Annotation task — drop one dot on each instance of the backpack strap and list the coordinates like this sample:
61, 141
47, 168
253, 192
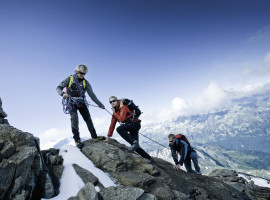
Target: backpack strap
71, 81
71, 78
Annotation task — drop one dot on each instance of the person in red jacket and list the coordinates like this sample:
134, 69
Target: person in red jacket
129, 128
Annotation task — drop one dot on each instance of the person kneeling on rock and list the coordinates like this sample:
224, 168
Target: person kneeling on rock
129, 128
179, 144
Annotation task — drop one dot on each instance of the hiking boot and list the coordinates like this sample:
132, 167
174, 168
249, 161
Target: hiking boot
79, 144
101, 138
134, 146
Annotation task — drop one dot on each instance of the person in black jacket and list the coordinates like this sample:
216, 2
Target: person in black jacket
77, 86
187, 153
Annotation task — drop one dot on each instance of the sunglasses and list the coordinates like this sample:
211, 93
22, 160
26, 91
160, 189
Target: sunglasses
170, 141
112, 101
81, 73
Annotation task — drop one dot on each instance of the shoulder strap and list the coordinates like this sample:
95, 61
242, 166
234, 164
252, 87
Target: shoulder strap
70, 80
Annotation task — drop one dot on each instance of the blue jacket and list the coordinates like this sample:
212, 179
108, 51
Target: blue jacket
181, 147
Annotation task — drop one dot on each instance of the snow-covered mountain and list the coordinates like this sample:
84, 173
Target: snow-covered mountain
236, 137
245, 120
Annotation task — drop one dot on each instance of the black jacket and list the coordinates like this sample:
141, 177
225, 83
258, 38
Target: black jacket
181, 147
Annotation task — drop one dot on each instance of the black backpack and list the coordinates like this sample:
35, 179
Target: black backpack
136, 111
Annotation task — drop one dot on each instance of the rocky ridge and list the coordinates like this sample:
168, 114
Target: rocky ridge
28, 173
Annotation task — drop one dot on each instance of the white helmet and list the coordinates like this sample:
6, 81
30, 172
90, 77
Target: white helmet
81, 68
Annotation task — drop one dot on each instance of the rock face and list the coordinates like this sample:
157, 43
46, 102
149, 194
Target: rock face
156, 179
2, 114
231, 177
28, 173
22, 168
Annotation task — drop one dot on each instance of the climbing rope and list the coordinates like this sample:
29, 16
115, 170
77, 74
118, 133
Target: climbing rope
140, 133
70, 102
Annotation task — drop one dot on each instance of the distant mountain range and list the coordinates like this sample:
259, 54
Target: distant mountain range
236, 137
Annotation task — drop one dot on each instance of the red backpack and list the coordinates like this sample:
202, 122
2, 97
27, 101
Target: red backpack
182, 137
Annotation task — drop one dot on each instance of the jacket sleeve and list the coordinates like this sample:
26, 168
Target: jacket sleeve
62, 85
112, 126
92, 94
174, 155
122, 116
184, 150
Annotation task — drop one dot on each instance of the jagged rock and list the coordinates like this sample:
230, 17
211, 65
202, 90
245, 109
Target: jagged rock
8, 150
85, 175
3, 115
123, 193
53, 164
22, 168
158, 178
19, 163
231, 177
86, 193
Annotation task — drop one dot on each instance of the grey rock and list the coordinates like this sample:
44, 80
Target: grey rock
22, 167
2, 113
223, 173
146, 196
231, 177
85, 175
7, 171
8, 149
121, 193
86, 193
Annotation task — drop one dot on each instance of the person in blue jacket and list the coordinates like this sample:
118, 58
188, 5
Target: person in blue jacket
187, 153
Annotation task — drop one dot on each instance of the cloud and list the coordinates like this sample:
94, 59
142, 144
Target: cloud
267, 58
260, 36
212, 98
259, 71
53, 134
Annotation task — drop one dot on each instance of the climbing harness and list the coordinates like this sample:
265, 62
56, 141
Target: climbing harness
71, 102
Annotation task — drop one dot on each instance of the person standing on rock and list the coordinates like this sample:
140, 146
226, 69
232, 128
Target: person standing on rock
2, 115
187, 153
76, 86
129, 128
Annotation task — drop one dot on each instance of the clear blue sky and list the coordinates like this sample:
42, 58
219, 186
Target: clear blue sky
151, 51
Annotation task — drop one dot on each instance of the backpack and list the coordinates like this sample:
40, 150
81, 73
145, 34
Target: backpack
136, 111
182, 137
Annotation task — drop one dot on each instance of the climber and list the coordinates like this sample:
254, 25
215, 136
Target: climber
129, 127
76, 86
187, 153
2, 115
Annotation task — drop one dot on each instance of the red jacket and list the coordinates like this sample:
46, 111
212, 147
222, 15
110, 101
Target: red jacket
122, 115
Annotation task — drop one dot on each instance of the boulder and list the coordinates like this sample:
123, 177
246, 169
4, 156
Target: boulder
85, 175
231, 177
86, 193
123, 193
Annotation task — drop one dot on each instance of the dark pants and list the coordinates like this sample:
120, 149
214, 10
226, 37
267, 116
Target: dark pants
75, 121
130, 132
194, 158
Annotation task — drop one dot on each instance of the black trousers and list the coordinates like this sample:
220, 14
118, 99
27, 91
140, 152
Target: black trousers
75, 121
130, 133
